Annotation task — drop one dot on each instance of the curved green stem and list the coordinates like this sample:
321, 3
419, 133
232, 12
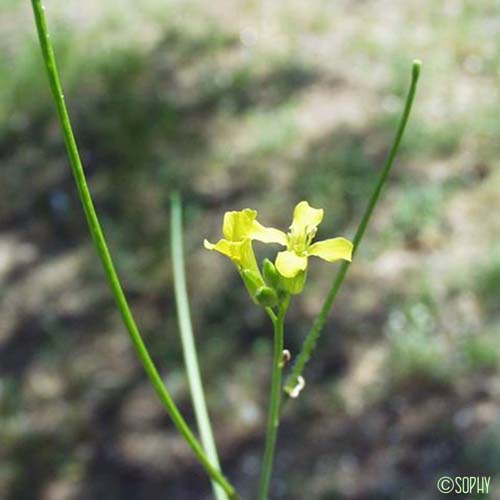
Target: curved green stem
319, 322
274, 401
104, 255
187, 339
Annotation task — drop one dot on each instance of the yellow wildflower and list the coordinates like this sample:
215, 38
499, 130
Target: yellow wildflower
300, 247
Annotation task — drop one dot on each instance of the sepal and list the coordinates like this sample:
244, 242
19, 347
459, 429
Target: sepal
294, 285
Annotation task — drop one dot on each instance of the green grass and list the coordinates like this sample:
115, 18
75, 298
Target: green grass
486, 283
481, 351
418, 350
417, 209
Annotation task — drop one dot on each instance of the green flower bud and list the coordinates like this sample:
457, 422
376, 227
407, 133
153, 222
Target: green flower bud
266, 296
271, 275
253, 281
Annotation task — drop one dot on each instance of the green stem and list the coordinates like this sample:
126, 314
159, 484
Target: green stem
188, 344
104, 255
274, 402
319, 322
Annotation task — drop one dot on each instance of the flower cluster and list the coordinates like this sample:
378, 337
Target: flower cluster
288, 273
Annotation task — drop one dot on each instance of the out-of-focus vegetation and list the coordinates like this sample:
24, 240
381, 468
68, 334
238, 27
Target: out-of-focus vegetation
256, 104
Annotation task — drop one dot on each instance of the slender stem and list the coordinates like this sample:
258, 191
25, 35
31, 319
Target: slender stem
274, 403
319, 322
104, 255
188, 343
271, 314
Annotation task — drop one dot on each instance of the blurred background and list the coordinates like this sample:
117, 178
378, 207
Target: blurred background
251, 104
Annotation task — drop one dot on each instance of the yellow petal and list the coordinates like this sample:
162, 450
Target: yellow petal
305, 218
223, 246
240, 252
243, 224
289, 264
246, 257
267, 234
238, 224
332, 249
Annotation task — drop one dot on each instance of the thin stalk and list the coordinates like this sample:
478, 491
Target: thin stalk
188, 343
319, 322
274, 402
104, 255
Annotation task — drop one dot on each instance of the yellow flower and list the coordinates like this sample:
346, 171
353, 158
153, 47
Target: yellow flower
300, 247
239, 229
